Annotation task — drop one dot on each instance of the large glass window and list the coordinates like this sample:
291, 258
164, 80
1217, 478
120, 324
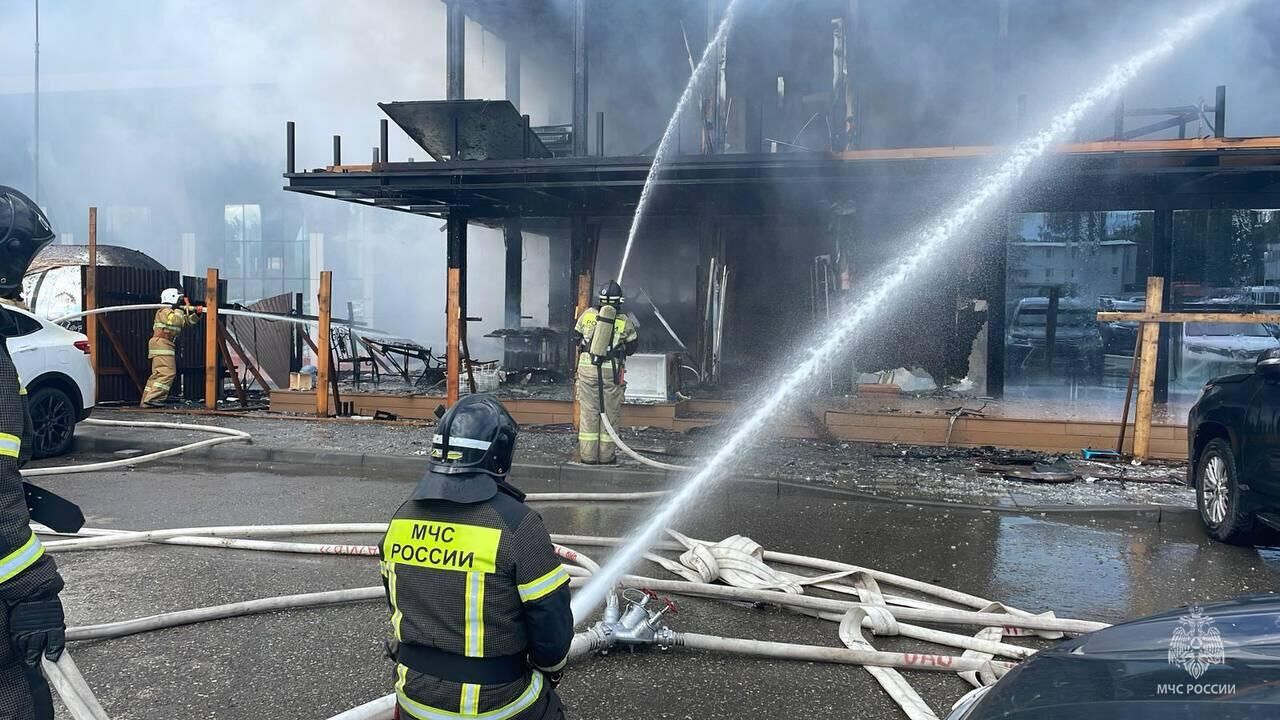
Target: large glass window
1223, 260
1062, 269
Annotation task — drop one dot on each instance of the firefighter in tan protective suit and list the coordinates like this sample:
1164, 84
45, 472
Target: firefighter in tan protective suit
601, 380
169, 323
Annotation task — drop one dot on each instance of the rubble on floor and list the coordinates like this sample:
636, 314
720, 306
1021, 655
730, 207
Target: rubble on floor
902, 471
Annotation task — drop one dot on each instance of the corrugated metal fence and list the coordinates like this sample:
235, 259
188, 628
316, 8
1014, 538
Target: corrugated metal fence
131, 331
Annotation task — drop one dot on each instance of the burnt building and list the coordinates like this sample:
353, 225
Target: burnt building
798, 173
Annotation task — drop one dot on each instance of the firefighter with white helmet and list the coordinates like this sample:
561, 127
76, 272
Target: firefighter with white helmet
161, 349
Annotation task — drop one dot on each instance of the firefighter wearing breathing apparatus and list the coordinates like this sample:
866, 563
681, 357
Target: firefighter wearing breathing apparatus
169, 323
479, 601
31, 619
606, 336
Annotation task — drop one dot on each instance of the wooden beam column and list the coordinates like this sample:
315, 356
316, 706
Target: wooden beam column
581, 262
454, 306
90, 300
323, 368
212, 378
1150, 339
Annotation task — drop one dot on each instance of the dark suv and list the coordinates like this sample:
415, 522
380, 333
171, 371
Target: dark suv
1233, 435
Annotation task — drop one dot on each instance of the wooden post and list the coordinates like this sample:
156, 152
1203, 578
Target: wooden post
452, 333
1150, 338
212, 379
91, 295
583, 302
323, 358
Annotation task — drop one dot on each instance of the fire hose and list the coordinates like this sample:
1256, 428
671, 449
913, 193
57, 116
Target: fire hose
874, 612
736, 560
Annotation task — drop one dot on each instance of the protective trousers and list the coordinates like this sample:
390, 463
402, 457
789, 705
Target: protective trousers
164, 368
24, 693
594, 443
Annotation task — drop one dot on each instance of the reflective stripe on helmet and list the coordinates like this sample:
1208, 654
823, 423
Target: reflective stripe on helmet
462, 442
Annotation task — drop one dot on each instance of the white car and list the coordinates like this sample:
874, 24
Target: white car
53, 363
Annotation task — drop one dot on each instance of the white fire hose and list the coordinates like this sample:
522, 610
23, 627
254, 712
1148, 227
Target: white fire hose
737, 561
877, 611
227, 435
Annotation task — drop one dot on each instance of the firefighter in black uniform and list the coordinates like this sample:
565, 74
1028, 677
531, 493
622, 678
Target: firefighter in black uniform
479, 601
31, 621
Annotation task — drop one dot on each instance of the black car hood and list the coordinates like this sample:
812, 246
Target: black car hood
1148, 669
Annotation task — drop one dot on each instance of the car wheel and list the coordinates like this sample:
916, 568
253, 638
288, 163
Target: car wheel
53, 422
1219, 497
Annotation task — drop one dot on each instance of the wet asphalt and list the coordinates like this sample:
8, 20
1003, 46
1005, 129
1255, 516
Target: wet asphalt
315, 663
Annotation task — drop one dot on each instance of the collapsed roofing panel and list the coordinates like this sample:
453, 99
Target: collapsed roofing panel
467, 129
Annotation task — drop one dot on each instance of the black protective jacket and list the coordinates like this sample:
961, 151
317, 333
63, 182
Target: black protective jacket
479, 606
25, 571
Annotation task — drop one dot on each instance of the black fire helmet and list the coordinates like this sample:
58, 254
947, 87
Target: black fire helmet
611, 294
471, 452
24, 231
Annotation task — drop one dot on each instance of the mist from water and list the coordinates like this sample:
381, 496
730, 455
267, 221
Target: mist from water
933, 240
673, 129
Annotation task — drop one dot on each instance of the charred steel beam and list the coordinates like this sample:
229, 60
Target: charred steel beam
289, 147
337, 150
384, 142
600, 133
580, 78
513, 239
1220, 112
455, 51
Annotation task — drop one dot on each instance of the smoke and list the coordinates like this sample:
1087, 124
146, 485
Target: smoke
164, 112
169, 116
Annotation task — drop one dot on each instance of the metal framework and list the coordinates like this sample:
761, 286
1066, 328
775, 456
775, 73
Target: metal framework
1176, 174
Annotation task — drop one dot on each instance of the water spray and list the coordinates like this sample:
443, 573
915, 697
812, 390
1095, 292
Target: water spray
933, 240
673, 128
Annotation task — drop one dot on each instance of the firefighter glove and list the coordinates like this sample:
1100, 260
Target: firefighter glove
37, 626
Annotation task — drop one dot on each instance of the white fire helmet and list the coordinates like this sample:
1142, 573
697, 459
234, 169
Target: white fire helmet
171, 296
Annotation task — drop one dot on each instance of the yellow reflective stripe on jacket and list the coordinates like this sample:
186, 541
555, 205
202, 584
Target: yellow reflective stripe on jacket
10, 445
588, 436
544, 585
442, 546
20, 559
425, 712
473, 623
160, 352
396, 614
469, 703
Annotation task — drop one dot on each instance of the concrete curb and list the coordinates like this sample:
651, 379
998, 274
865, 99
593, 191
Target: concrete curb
572, 477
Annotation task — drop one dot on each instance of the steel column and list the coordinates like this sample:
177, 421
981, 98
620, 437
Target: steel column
580, 121
513, 239
1220, 112
455, 51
